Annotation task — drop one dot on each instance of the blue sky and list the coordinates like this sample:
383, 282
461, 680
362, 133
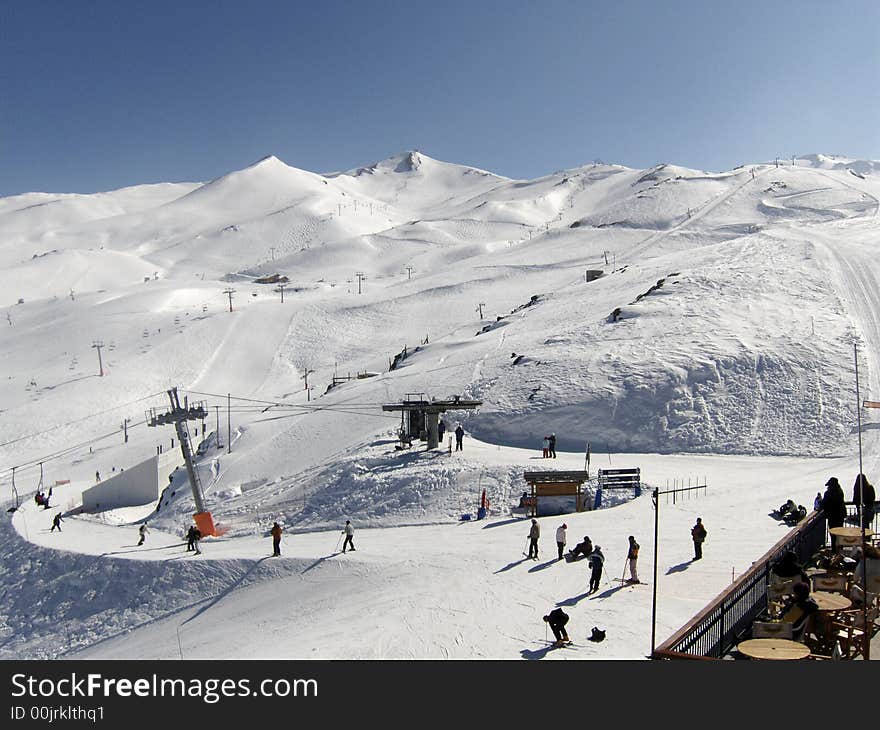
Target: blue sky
98, 95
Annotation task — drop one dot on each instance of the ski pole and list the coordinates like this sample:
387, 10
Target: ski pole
623, 574
338, 540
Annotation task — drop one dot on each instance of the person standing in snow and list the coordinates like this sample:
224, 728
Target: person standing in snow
349, 535
459, 436
197, 535
552, 446
632, 556
834, 507
441, 430
276, 539
557, 619
596, 561
534, 534
560, 538
817, 503
546, 447
142, 531
191, 538
698, 533
56, 522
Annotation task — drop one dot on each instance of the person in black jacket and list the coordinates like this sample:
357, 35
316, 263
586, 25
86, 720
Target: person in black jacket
865, 498
551, 443
597, 560
557, 619
834, 506
788, 567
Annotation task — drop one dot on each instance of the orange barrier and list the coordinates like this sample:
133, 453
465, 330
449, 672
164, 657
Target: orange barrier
205, 523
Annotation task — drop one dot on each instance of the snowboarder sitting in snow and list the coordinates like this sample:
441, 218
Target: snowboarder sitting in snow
582, 548
557, 619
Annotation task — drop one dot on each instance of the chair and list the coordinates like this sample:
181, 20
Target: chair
771, 630
832, 582
778, 590
853, 640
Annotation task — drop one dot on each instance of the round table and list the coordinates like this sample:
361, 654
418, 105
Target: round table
773, 649
850, 535
830, 601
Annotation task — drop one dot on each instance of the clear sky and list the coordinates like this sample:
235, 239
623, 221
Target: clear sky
99, 94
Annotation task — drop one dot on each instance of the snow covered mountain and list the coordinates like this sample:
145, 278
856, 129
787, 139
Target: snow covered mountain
662, 311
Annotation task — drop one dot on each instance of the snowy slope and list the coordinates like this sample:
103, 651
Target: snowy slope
720, 334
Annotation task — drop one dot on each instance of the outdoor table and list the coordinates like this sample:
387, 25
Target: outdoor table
850, 535
830, 601
773, 649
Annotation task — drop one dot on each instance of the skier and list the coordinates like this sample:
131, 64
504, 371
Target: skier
546, 447
582, 548
459, 435
191, 538
142, 531
534, 534
552, 446
864, 498
557, 619
349, 535
441, 430
834, 507
276, 539
632, 556
698, 533
596, 560
56, 522
197, 535
560, 538
97, 476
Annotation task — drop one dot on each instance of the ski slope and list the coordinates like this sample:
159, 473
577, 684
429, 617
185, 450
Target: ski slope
717, 344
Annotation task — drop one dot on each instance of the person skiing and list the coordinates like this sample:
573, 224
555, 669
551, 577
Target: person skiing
56, 522
142, 531
582, 548
276, 539
698, 533
560, 538
546, 447
197, 535
534, 534
632, 556
596, 561
441, 430
191, 538
557, 619
97, 476
834, 507
459, 436
349, 535
865, 498
552, 446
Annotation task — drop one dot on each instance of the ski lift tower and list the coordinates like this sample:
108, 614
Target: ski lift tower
431, 411
179, 416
